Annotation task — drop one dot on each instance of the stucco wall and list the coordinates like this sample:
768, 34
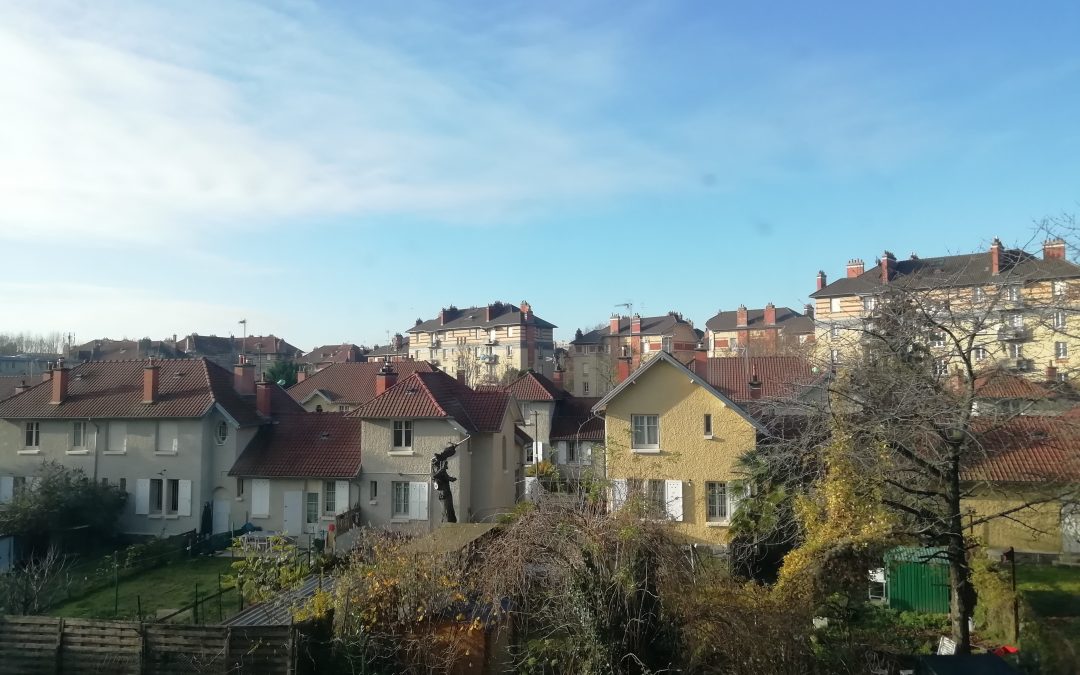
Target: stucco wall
685, 454
1036, 529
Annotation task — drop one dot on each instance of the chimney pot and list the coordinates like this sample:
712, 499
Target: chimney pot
59, 384
262, 397
741, 319
385, 378
1054, 249
151, 378
995, 256
770, 314
821, 280
888, 267
244, 378
855, 267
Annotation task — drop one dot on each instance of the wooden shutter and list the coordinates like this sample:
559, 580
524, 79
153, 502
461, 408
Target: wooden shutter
341, 497
673, 498
618, 493
260, 497
142, 496
183, 505
7, 489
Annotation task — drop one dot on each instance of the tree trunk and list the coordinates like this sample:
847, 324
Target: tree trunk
962, 593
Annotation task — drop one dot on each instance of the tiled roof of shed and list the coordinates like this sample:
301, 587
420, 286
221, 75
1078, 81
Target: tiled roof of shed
352, 383
303, 445
96, 389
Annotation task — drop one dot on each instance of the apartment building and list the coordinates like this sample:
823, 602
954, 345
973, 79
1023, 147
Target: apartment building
323, 356
769, 331
106, 349
395, 350
260, 350
166, 431
1026, 303
599, 359
341, 387
484, 344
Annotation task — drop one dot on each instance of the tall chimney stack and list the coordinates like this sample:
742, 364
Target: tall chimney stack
770, 314
557, 378
855, 267
150, 382
59, 383
385, 378
244, 377
741, 320
888, 267
263, 393
995, 256
1054, 249
821, 280
616, 320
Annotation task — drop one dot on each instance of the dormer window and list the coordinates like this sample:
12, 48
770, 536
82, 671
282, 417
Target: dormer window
221, 434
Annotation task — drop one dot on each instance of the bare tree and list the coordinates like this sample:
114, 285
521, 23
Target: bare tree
28, 590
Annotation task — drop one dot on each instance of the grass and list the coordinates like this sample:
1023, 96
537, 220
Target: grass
168, 587
1051, 590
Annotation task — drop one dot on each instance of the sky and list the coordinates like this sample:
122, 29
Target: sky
332, 171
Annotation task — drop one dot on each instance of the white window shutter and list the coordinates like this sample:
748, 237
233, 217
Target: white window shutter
538, 451
735, 495
184, 502
142, 496
618, 493
532, 488
175, 444
562, 452
673, 495
341, 497
260, 497
422, 490
7, 489
585, 453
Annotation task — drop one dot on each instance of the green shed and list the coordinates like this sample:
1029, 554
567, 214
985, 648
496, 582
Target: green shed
917, 579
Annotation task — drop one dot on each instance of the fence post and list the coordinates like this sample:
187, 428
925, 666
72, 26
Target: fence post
220, 614
195, 607
138, 601
116, 585
60, 645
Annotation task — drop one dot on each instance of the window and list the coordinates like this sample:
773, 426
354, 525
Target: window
157, 495
834, 304
401, 500
1016, 351
117, 437
834, 356
708, 426
646, 432
941, 367
221, 434
1061, 350
329, 497
343, 408
402, 434
1060, 288
869, 302
239, 487
937, 340
174, 495
716, 506
571, 453
1013, 293
1016, 320
123, 485
585, 387
33, 434
78, 435
977, 294
834, 332
666, 344
311, 507
584, 369
979, 353
657, 499
1059, 319
373, 490
168, 438
318, 408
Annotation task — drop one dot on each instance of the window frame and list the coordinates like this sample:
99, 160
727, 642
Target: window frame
1059, 288
1014, 292
399, 487
1060, 319
401, 439
722, 514
1061, 350
329, 498
156, 507
373, 489
836, 305
707, 425
32, 436
645, 445
78, 435
220, 437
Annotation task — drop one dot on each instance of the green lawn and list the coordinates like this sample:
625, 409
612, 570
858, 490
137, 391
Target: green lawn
1052, 591
171, 586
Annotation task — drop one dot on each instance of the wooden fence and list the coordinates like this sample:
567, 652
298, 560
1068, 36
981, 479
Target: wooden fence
42, 644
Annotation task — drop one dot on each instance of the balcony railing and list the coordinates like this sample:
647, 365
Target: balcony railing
1014, 333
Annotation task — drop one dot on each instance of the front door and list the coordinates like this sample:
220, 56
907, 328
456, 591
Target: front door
222, 508
1070, 529
294, 513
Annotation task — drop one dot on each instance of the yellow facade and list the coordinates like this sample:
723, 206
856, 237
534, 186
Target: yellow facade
685, 453
485, 354
1036, 529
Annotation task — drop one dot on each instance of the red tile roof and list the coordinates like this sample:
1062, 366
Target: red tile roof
533, 386
1026, 449
1005, 384
352, 383
343, 353
304, 445
187, 388
780, 376
574, 420
437, 395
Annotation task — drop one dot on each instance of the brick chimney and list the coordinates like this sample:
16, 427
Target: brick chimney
855, 267
770, 314
635, 341
808, 310
244, 377
263, 393
995, 256
700, 364
301, 375
1054, 249
385, 378
821, 280
740, 317
150, 380
616, 320
755, 384
622, 369
526, 311
888, 267
557, 378
21, 387
635, 324
60, 377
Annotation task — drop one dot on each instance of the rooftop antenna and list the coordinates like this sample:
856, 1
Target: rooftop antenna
243, 346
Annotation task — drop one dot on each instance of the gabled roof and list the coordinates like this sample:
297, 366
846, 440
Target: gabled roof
119, 350
533, 386
650, 325
303, 445
996, 384
574, 420
664, 357
351, 383
436, 395
342, 353
214, 345
1027, 448
788, 319
476, 317
113, 389
780, 376
968, 269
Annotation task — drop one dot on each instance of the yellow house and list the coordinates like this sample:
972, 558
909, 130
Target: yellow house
673, 442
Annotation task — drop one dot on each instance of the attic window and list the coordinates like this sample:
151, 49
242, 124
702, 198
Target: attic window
324, 435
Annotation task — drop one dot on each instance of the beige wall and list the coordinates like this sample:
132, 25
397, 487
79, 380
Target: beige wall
685, 454
484, 362
1035, 530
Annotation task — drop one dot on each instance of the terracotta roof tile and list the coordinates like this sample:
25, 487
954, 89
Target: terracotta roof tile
1005, 384
437, 395
476, 317
304, 445
780, 376
187, 388
533, 386
352, 383
1026, 448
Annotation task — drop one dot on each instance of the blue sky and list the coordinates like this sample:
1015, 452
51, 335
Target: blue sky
334, 170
